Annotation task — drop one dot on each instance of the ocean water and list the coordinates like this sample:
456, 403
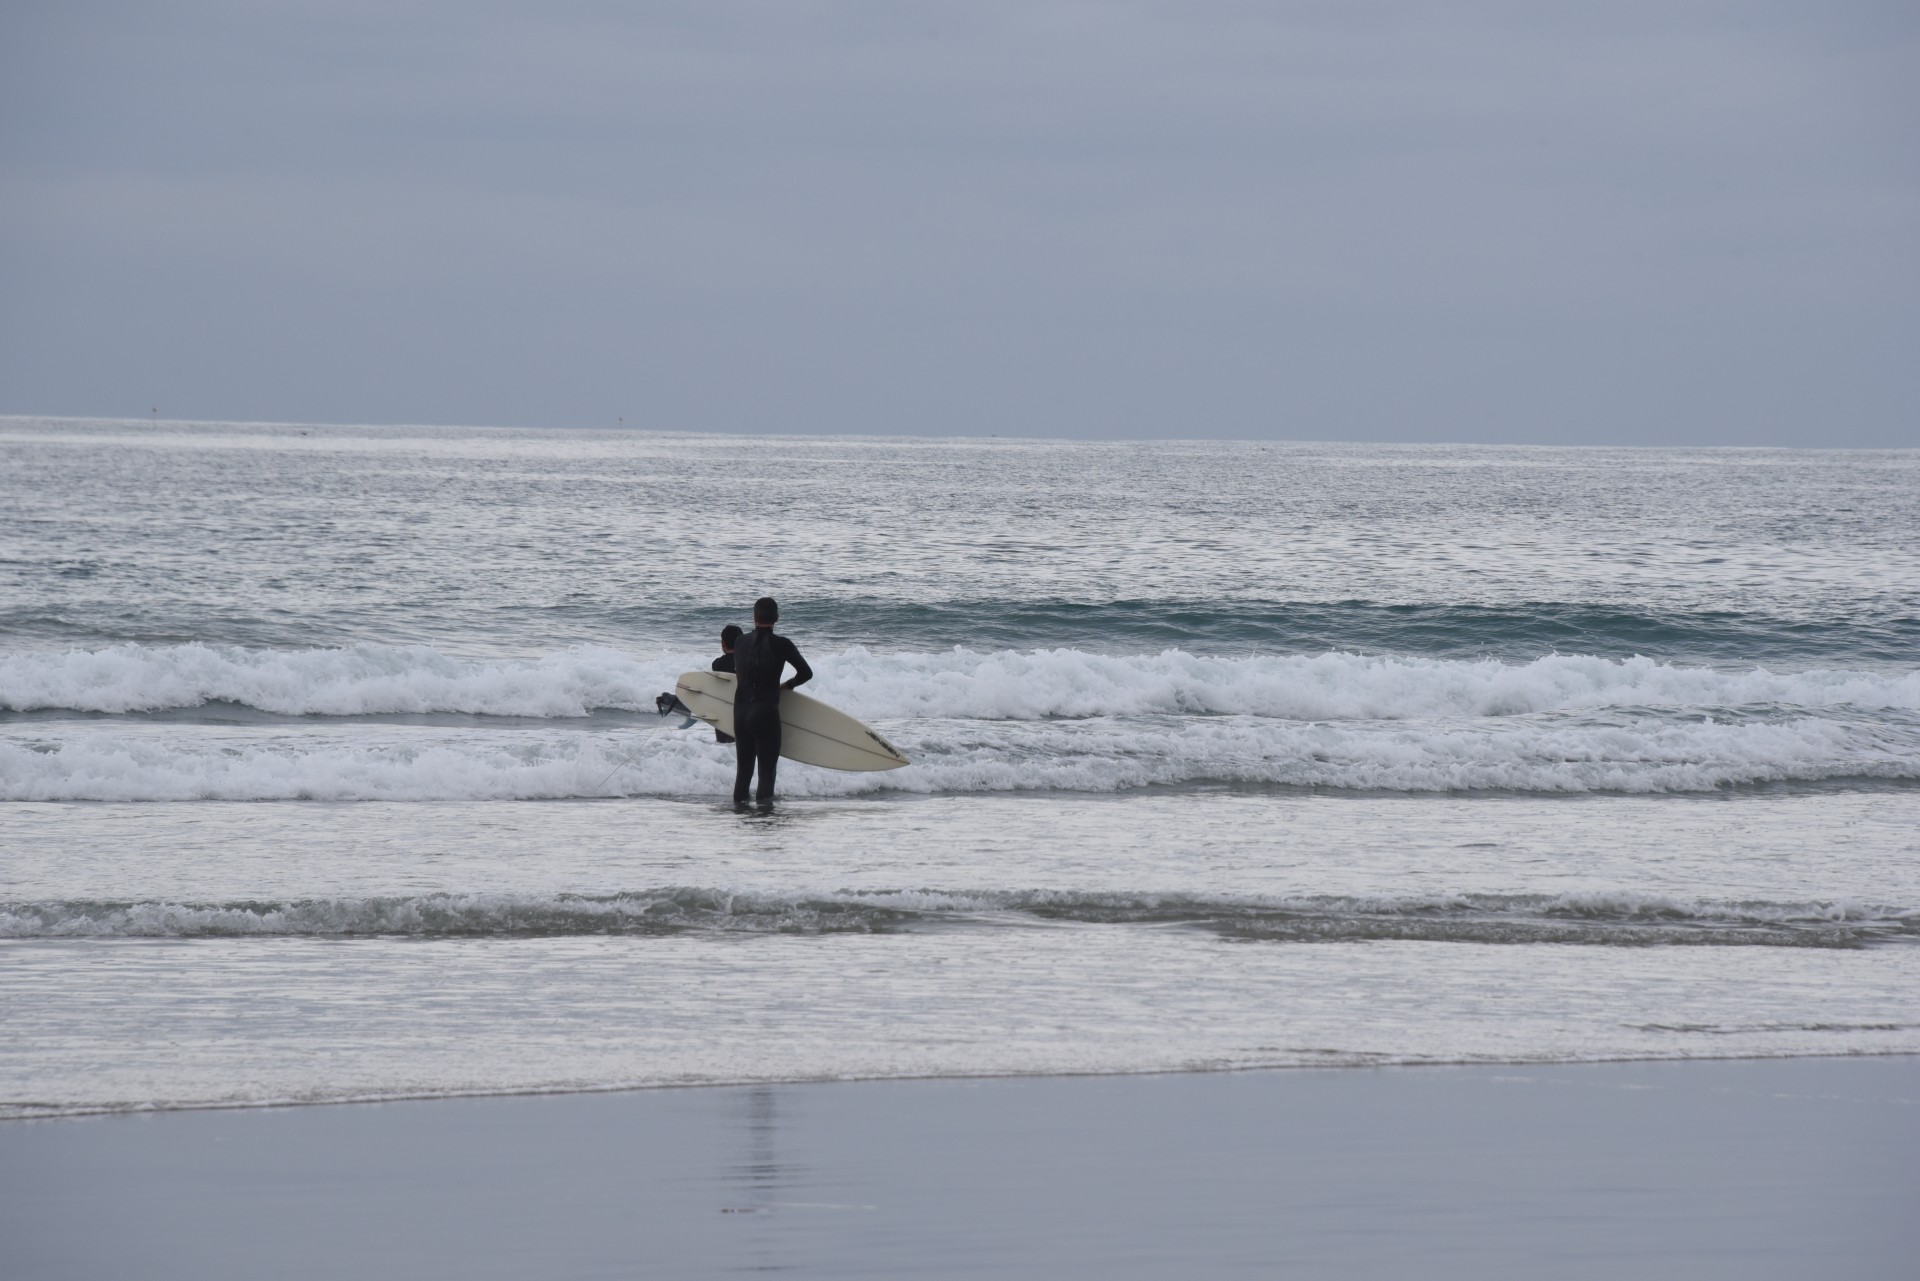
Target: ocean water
329, 769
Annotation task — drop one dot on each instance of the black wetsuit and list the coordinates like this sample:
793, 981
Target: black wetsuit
758, 659
724, 663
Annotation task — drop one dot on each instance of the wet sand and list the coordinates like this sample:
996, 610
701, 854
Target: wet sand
1781, 1168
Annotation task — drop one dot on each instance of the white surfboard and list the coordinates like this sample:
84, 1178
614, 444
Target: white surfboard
810, 731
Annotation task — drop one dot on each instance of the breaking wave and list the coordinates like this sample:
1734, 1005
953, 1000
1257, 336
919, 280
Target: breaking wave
971, 721
368, 680
1604, 919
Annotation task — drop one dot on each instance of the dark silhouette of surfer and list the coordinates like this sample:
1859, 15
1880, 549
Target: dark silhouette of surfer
759, 658
729, 637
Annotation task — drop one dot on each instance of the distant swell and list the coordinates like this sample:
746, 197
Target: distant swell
1600, 919
1518, 631
1515, 632
958, 683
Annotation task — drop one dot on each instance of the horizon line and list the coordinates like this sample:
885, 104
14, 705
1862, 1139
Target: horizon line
623, 429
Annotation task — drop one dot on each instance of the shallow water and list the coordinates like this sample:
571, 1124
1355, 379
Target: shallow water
1784, 1168
330, 767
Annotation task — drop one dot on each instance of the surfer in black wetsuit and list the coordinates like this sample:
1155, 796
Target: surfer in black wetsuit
758, 660
729, 637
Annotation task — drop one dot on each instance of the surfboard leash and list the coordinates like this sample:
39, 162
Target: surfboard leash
666, 705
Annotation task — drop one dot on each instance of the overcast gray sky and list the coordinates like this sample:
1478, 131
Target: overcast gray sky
1606, 222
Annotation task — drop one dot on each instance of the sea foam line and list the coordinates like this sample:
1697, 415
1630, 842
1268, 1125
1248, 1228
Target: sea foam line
1596, 917
91, 761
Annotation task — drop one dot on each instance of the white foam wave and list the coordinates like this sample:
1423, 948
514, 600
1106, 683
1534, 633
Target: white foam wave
111, 763
959, 683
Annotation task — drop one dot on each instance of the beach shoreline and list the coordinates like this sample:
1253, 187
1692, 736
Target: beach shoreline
60, 1112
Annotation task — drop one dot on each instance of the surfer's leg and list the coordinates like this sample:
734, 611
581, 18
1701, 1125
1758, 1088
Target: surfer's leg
767, 741
743, 758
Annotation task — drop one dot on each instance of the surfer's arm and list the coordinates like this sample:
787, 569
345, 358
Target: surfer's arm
802, 673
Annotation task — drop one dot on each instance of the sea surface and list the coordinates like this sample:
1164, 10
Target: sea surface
329, 767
